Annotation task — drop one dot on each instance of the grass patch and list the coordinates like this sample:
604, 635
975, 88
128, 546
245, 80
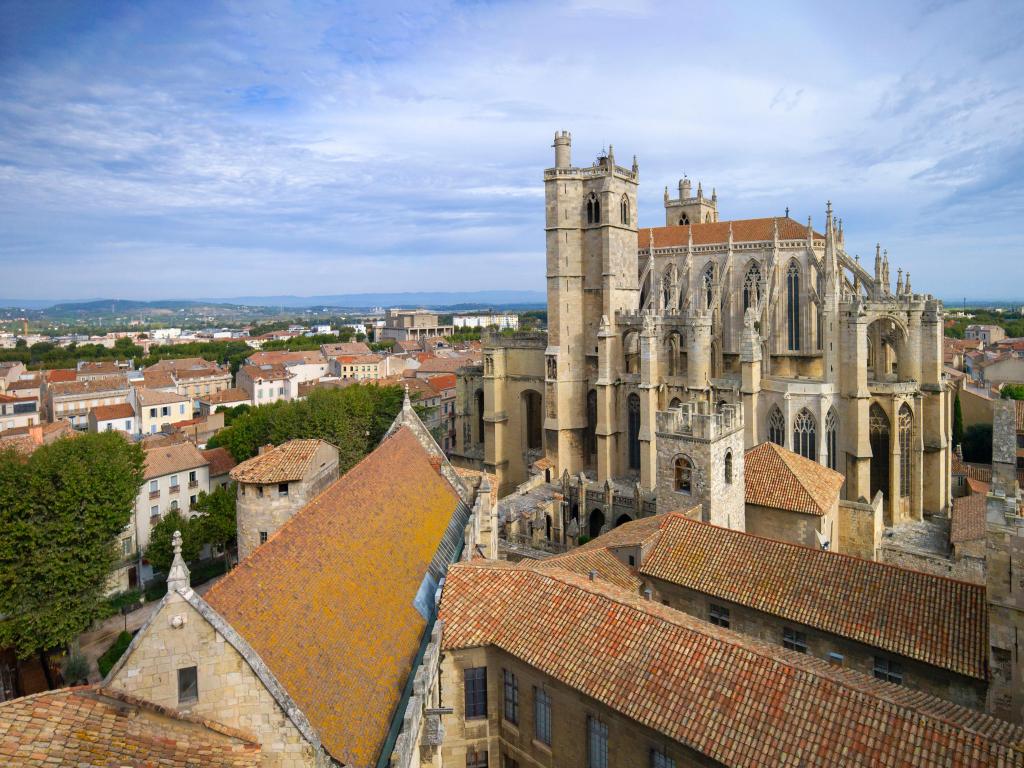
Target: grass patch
109, 658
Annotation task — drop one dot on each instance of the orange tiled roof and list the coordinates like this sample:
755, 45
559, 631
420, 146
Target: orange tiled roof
778, 478
288, 461
55, 375
88, 386
233, 395
167, 459
149, 397
982, 472
345, 348
108, 412
221, 461
162, 379
332, 617
283, 357
632, 534
743, 231
267, 372
602, 562
968, 518
738, 700
929, 618
92, 726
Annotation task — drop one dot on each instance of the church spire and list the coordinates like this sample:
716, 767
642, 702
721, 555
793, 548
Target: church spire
178, 577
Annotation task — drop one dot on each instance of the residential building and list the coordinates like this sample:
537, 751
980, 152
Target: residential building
221, 464
92, 369
225, 398
274, 485
18, 411
199, 429
499, 320
194, 376
108, 418
10, 372
345, 348
156, 409
72, 400
266, 383
408, 324
358, 367
303, 366
986, 334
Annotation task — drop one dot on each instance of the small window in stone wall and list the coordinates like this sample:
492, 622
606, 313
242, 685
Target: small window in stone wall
282, 489
888, 670
263, 537
718, 615
188, 685
476, 758
793, 640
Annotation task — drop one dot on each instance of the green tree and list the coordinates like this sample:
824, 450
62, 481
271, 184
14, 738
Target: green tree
160, 553
61, 510
217, 517
977, 444
1012, 392
958, 421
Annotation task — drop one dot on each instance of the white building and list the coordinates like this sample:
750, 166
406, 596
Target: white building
496, 320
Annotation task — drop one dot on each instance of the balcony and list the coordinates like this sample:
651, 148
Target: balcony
174, 489
193, 483
154, 494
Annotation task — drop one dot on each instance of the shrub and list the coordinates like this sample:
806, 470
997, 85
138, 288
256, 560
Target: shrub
109, 658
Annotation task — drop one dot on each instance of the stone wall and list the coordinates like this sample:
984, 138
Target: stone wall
965, 569
860, 528
794, 527
855, 655
229, 690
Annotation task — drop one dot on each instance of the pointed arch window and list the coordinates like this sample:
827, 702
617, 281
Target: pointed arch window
878, 436
752, 287
793, 306
683, 475
593, 209
728, 467
777, 427
624, 210
832, 438
805, 435
684, 220
709, 283
906, 427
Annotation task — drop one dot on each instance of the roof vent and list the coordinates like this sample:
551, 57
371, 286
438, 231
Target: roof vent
592, 575
647, 593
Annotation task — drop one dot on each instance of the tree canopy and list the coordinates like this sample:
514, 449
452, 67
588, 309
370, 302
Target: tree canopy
1012, 392
61, 510
354, 419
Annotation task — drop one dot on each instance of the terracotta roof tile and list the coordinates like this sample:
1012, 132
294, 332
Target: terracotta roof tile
221, 461
743, 230
982, 472
288, 461
601, 561
267, 372
736, 699
933, 619
55, 375
108, 412
227, 396
94, 727
968, 518
778, 478
158, 379
631, 534
167, 459
89, 386
150, 397
332, 617
345, 348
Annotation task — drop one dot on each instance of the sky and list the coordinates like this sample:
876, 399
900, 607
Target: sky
153, 150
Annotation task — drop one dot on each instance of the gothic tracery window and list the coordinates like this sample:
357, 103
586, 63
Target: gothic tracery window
624, 210
683, 475
832, 438
793, 306
709, 282
906, 427
878, 436
777, 427
684, 220
752, 287
805, 435
633, 414
593, 209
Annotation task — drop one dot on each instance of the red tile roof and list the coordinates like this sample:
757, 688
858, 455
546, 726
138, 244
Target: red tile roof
226, 396
968, 518
333, 618
221, 461
929, 618
167, 459
279, 464
778, 478
738, 700
88, 726
743, 230
55, 375
108, 412
601, 561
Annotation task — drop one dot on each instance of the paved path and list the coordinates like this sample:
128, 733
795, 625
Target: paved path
95, 642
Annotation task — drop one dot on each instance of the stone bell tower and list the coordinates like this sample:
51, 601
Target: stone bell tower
689, 208
591, 231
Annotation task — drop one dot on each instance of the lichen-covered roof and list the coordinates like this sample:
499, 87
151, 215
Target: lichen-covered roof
778, 478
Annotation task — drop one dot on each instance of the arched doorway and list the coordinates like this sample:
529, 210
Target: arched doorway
596, 523
532, 410
878, 431
623, 518
633, 432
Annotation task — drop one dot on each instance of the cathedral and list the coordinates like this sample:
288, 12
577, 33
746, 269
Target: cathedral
715, 334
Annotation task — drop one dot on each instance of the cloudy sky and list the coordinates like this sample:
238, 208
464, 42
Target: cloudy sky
183, 149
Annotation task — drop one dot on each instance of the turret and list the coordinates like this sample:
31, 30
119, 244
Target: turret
684, 188
563, 149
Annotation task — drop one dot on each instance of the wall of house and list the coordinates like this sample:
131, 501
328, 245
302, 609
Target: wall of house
794, 527
629, 742
229, 691
150, 419
860, 528
166, 496
855, 655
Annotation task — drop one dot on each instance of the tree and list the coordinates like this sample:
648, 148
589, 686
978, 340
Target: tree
61, 510
977, 444
160, 553
958, 421
217, 517
1012, 392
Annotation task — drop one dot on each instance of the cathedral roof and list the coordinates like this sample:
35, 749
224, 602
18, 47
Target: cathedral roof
743, 231
739, 700
334, 602
933, 619
778, 478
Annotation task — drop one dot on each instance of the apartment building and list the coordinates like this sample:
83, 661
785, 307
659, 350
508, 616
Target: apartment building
406, 324
190, 376
18, 411
303, 366
266, 383
156, 409
226, 398
111, 418
72, 400
358, 367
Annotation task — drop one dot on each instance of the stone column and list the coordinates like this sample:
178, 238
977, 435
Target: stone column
607, 425
698, 350
648, 403
750, 371
853, 428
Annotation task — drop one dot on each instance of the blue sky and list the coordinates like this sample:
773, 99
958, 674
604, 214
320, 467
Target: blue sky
175, 150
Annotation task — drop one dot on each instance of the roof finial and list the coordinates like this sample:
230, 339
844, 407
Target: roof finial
178, 577
787, 211
406, 403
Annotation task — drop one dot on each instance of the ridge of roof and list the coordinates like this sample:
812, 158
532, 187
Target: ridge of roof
776, 477
717, 232
282, 463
